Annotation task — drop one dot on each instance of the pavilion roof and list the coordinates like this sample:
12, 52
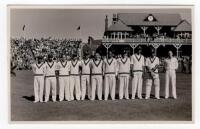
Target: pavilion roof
119, 26
183, 26
162, 19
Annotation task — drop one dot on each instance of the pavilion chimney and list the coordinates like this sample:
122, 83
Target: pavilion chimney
115, 18
106, 23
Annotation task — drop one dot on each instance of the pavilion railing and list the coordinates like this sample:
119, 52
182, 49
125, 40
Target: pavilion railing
147, 40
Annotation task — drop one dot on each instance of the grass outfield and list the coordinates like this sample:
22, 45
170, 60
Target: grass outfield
23, 108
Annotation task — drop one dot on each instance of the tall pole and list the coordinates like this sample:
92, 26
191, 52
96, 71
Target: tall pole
23, 34
107, 46
24, 41
81, 45
144, 28
133, 46
158, 28
177, 46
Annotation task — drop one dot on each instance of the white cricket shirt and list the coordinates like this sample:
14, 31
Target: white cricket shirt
63, 67
138, 62
152, 62
124, 65
74, 67
171, 64
85, 66
97, 66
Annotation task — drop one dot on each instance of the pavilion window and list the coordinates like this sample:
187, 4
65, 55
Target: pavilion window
119, 35
187, 35
113, 35
109, 36
128, 35
190, 36
116, 35
123, 35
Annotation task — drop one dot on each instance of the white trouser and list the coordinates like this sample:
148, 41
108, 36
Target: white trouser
96, 82
38, 88
110, 84
75, 85
85, 84
64, 90
170, 77
50, 83
137, 84
123, 86
156, 83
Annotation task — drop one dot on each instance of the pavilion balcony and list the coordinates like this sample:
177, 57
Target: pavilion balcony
148, 40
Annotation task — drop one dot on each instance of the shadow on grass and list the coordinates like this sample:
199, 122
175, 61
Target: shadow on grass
31, 98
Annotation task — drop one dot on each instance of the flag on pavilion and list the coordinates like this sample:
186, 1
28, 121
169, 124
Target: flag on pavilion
78, 28
23, 28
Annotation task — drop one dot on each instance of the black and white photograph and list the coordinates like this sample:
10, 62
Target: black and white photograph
101, 64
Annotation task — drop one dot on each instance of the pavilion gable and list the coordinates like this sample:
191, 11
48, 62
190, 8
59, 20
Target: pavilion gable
119, 26
183, 26
144, 19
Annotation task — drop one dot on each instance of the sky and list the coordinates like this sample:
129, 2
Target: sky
63, 23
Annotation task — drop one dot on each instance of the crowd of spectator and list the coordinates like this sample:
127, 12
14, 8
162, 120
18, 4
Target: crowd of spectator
185, 64
24, 50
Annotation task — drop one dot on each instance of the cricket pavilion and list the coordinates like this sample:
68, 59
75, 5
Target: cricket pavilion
160, 30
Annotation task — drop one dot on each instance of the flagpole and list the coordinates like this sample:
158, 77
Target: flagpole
24, 35
23, 32
80, 34
81, 45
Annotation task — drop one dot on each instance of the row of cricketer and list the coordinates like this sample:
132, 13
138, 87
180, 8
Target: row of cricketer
93, 76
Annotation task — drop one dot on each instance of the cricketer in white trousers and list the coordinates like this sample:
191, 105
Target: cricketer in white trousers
138, 63
50, 81
137, 84
50, 84
64, 90
85, 86
96, 78
85, 79
75, 87
156, 83
39, 70
153, 77
110, 85
123, 86
110, 67
96, 86
170, 76
75, 79
124, 75
38, 87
